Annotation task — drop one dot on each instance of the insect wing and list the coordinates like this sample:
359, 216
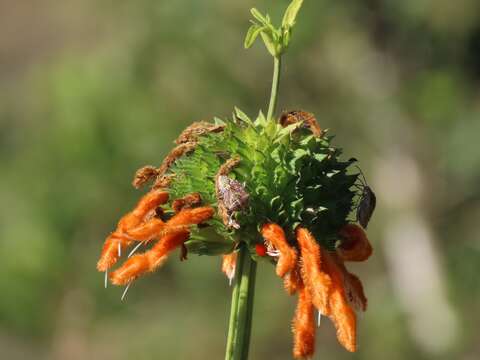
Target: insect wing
233, 194
366, 207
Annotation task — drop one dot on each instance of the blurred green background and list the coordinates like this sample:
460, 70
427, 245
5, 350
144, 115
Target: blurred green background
92, 90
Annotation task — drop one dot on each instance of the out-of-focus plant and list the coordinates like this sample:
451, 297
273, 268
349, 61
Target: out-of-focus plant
269, 188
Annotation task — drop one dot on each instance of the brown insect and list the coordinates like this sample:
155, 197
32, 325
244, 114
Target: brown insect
231, 194
308, 119
233, 197
368, 202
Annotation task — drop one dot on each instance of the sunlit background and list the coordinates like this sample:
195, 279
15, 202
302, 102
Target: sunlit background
92, 90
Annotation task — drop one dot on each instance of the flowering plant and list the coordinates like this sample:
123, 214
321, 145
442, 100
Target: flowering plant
252, 189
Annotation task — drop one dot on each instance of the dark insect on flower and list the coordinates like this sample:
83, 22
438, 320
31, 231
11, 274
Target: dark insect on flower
233, 197
367, 203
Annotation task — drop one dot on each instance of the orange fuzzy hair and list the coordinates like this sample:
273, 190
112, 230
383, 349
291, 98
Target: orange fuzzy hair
120, 239
316, 281
143, 225
152, 259
274, 234
341, 313
320, 279
303, 326
229, 262
355, 245
292, 281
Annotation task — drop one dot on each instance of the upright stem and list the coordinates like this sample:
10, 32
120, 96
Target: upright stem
238, 340
240, 324
275, 84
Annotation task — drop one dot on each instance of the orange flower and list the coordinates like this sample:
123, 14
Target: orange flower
341, 313
303, 326
292, 281
355, 245
326, 284
120, 239
229, 262
143, 226
274, 235
320, 279
316, 281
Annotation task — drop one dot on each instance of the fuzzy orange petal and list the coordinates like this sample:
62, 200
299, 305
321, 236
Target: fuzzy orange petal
303, 326
355, 245
152, 259
354, 292
147, 231
342, 315
315, 279
156, 228
275, 235
192, 216
119, 239
352, 285
109, 254
150, 201
292, 281
149, 261
229, 262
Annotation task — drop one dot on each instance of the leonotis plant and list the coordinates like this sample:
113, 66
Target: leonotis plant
268, 188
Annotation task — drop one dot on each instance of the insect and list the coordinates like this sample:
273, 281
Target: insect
232, 197
308, 119
367, 203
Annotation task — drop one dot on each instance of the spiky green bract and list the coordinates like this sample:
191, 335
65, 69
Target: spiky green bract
292, 177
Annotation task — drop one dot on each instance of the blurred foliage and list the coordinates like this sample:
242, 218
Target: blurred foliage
91, 91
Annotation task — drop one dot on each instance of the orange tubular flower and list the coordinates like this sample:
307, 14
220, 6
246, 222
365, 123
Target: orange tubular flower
354, 291
341, 313
120, 239
274, 235
303, 326
355, 245
149, 261
315, 280
292, 281
333, 290
229, 262
142, 225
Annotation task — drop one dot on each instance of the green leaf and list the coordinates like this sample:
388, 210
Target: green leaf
287, 35
320, 157
286, 131
242, 116
258, 15
269, 43
218, 121
291, 14
252, 35
261, 121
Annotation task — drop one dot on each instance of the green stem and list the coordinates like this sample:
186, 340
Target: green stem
238, 340
240, 323
275, 84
